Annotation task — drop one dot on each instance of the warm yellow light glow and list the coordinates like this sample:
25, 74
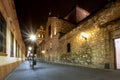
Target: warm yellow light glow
84, 35
30, 48
51, 36
55, 31
28, 52
43, 51
32, 37
39, 35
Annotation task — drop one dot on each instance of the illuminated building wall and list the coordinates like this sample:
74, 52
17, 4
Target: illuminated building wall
97, 49
12, 48
94, 48
55, 29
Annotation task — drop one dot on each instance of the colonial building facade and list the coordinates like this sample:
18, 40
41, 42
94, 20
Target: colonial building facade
12, 48
94, 42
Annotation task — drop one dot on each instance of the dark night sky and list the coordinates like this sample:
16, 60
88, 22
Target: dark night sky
33, 13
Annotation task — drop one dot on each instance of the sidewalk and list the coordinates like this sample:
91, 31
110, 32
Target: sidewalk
44, 71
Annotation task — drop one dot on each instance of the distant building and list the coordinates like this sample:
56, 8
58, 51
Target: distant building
12, 48
40, 40
94, 42
40, 35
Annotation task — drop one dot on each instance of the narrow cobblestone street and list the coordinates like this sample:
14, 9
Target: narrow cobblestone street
45, 71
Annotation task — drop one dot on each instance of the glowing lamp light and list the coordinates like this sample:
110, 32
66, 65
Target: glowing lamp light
43, 51
30, 48
32, 37
84, 35
28, 52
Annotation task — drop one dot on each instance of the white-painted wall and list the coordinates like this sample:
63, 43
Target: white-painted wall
117, 50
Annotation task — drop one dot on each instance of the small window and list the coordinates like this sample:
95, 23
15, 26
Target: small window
49, 30
68, 47
18, 51
12, 44
16, 48
17, 54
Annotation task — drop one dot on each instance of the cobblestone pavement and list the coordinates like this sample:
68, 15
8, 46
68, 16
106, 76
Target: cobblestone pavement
45, 71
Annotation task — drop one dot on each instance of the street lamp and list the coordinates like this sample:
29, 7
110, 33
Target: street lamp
29, 48
33, 38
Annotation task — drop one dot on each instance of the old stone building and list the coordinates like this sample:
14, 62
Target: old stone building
40, 40
94, 42
12, 48
53, 33
96, 50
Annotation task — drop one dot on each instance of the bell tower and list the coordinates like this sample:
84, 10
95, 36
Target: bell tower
40, 35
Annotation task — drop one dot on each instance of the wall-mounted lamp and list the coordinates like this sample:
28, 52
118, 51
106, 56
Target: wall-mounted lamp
84, 35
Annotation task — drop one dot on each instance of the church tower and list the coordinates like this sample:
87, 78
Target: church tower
40, 35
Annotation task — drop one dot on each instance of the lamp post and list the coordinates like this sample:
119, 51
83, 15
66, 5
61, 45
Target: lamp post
33, 38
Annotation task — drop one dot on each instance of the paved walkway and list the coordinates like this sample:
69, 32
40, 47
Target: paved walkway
44, 71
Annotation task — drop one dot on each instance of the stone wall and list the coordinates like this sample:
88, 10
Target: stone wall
58, 28
113, 28
95, 50
7, 67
